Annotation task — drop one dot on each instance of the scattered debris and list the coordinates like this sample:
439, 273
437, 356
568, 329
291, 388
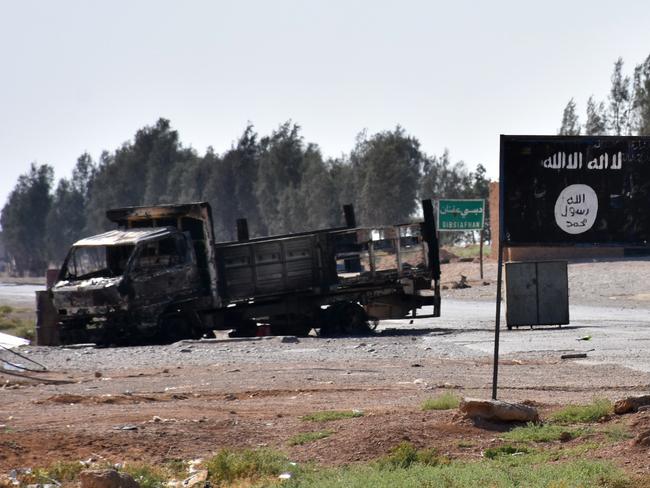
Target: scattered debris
8, 341
584, 338
289, 339
574, 356
631, 404
199, 476
462, 283
498, 410
416, 365
106, 478
126, 427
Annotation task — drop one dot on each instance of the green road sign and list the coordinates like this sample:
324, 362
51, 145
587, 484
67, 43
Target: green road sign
459, 215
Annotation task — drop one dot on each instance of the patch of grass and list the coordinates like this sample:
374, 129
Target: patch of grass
330, 415
404, 455
471, 251
465, 474
616, 433
60, 472
146, 475
592, 412
178, 468
465, 444
446, 401
14, 322
306, 437
541, 433
507, 450
228, 465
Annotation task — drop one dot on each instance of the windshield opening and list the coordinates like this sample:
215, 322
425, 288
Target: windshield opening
97, 261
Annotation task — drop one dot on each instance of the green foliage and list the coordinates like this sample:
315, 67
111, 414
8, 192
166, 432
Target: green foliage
61, 472
330, 415
459, 474
147, 475
541, 433
387, 168
307, 437
495, 452
14, 322
405, 455
616, 432
471, 251
570, 124
228, 466
23, 219
592, 412
446, 401
279, 183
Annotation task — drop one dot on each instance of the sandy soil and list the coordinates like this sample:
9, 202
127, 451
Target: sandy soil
187, 400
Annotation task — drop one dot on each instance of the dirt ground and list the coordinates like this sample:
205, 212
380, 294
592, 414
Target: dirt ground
187, 400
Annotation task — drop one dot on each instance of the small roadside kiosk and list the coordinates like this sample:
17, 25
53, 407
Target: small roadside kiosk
578, 191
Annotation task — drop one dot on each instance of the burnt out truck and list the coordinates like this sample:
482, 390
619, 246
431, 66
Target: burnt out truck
160, 276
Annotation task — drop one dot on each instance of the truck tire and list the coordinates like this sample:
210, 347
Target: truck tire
346, 318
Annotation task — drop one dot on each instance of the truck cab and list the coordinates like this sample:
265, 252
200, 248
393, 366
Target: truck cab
123, 282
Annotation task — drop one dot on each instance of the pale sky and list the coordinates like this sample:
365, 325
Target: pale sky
85, 75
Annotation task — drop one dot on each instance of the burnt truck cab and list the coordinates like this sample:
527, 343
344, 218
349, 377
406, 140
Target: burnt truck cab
124, 282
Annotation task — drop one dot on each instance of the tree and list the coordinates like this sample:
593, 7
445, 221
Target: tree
280, 167
641, 104
619, 101
570, 124
596, 124
24, 218
387, 169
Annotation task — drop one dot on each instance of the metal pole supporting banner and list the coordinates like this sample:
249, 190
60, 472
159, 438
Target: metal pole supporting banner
501, 234
497, 325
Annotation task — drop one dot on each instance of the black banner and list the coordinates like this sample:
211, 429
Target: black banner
565, 190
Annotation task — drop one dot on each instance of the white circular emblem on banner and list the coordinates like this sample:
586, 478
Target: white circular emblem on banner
576, 209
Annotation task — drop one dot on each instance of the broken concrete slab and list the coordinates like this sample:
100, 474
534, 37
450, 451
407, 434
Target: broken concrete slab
631, 404
475, 408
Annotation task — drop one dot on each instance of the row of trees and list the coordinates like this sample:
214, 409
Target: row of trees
626, 111
278, 182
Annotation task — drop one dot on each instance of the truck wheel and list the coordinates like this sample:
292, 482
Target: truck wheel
173, 328
347, 318
244, 328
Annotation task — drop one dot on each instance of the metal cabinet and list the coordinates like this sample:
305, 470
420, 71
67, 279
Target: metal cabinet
537, 293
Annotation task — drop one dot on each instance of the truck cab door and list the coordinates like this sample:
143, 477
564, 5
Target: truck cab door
164, 271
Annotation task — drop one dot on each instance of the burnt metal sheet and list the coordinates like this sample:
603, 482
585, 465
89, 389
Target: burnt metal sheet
123, 237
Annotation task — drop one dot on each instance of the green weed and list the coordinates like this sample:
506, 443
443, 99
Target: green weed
306, 437
464, 474
541, 433
146, 475
446, 401
495, 452
330, 415
228, 466
14, 322
592, 412
404, 455
616, 433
